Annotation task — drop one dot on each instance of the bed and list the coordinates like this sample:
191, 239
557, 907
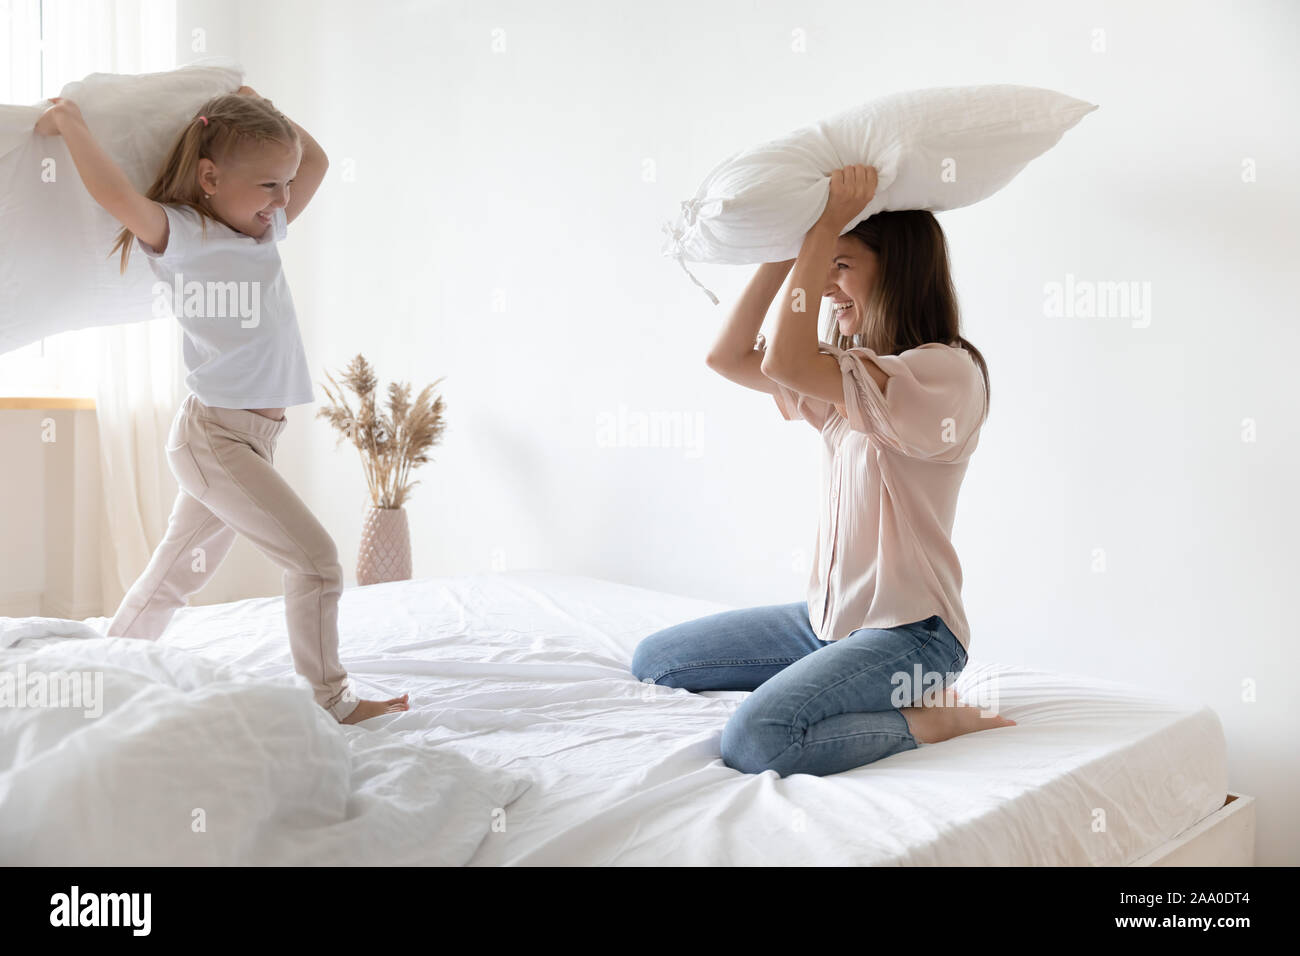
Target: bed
529, 742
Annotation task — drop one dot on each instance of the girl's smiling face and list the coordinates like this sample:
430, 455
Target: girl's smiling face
245, 190
850, 282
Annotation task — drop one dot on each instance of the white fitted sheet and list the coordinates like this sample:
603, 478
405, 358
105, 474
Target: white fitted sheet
528, 672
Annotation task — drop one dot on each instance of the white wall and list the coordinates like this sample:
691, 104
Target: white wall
474, 171
50, 525
22, 533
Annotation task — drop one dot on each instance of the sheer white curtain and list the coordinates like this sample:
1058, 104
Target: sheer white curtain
134, 371
137, 391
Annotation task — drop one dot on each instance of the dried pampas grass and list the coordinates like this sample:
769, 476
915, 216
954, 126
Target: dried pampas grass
391, 445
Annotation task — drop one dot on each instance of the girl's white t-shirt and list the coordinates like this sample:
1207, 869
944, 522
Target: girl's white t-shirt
242, 347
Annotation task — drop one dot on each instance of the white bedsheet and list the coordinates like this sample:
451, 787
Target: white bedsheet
171, 760
528, 673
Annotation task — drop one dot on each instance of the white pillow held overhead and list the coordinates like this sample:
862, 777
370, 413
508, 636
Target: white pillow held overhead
935, 149
55, 270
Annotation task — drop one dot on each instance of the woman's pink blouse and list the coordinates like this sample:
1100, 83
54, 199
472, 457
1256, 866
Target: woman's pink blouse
891, 472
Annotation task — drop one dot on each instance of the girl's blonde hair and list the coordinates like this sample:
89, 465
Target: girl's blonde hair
234, 122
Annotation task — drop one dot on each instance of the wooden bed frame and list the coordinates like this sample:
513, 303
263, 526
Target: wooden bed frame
1225, 838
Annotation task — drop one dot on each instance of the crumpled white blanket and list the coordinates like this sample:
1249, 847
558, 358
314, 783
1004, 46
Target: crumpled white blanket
163, 757
55, 271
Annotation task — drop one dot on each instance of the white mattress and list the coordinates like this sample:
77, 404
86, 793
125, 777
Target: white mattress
527, 673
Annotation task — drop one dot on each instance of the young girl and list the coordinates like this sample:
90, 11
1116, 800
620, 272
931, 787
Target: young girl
209, 226
883, 625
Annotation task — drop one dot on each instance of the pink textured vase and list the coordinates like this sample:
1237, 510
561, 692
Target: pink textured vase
385, 552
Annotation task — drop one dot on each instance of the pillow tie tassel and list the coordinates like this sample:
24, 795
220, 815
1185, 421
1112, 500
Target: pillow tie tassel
676, 247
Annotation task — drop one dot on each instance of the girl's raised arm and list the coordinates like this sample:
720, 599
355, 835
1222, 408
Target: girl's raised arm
311, 173
104, 180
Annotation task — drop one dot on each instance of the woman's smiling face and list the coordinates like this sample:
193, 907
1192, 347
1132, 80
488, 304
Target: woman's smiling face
245, 190
850, 282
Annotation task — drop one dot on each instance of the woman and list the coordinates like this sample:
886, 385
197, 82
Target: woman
860, 669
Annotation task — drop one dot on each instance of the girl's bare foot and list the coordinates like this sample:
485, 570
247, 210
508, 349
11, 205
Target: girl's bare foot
366, 709
949, 719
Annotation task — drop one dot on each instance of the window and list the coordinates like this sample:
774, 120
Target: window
45, 44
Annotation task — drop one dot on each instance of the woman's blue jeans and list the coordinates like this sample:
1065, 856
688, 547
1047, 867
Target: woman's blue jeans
817, 707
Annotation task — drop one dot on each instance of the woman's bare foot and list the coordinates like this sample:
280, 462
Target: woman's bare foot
366, 709
949, 719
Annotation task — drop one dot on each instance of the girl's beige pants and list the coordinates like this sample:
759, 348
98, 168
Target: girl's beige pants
223, 461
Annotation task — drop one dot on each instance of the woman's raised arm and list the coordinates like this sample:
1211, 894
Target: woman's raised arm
733, 355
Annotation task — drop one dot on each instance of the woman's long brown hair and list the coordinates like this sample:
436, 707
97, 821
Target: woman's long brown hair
914, 301
233, 122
